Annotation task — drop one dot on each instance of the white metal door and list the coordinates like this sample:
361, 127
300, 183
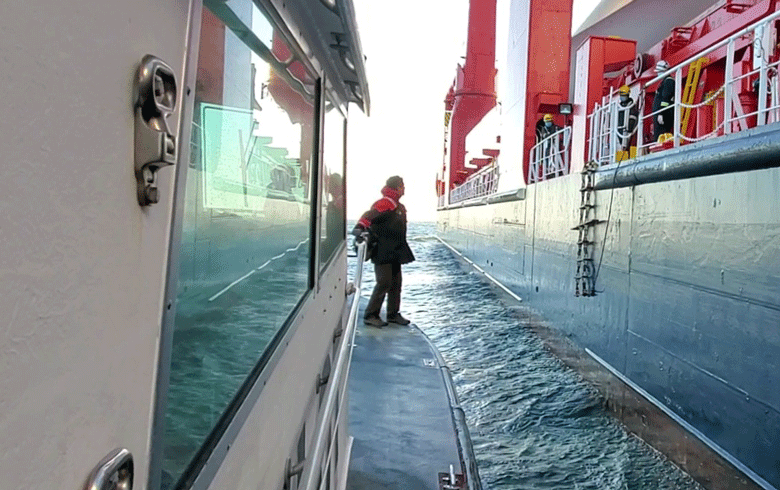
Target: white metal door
82, 265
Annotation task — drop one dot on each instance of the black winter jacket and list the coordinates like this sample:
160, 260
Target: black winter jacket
386, 223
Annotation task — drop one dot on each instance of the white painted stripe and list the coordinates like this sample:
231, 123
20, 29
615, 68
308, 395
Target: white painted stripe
264, 265
693, 430
255, 270
231, 285
480, 269
506, 289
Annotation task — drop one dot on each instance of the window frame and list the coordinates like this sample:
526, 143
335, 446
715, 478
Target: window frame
206, 462
325, 265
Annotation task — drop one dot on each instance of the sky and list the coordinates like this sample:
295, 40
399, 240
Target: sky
412, 49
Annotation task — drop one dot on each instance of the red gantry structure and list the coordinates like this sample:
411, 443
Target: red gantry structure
473, 93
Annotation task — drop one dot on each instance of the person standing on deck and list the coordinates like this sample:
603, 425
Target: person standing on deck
385, 225
626, 118
664, 97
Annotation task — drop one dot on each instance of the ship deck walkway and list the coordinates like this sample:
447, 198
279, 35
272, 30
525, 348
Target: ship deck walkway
400, 411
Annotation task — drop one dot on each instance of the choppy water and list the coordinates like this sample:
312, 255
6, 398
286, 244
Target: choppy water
534, 422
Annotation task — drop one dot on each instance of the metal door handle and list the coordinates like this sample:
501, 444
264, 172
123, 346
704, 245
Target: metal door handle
114, 472
155, 145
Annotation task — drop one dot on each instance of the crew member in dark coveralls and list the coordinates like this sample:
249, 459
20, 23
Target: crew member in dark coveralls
385, 223
664, 96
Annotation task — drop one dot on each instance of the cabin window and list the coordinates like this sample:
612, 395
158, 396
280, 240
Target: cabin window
245, 248
333, 231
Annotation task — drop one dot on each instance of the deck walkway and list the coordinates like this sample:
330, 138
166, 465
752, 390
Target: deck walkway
399, 410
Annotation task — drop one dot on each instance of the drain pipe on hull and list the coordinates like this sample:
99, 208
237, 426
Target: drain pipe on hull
755, 149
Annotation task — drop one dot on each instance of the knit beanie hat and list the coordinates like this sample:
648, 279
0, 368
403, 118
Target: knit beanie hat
394, 182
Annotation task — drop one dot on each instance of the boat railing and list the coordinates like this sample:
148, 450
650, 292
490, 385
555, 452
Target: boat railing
482, 183
441, 201
319, 462
550, 157
605, 140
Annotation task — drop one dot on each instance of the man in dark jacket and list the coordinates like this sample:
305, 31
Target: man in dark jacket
385, 223
663, 122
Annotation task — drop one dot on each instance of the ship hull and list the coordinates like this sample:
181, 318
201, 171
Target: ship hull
686, 313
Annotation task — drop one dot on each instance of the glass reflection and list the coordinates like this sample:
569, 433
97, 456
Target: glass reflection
244, 257
333, 229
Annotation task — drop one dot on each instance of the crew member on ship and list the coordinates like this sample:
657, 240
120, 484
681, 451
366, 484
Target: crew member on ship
544, 129
547, 128
664, 97
627, 117
384, 227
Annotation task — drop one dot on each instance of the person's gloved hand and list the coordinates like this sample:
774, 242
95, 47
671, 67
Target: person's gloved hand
660, 119
361, 238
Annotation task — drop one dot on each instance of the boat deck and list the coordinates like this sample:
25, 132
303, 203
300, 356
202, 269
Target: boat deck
400, 411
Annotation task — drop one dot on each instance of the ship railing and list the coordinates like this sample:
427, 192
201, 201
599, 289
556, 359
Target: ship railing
610, 129
604, 142
482, 183
550, 157
735, 118
319, 462
442, 200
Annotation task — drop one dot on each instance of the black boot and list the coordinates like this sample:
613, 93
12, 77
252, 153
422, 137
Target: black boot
398, 319
374, 321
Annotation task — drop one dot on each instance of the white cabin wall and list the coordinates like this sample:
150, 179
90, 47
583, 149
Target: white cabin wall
82, 263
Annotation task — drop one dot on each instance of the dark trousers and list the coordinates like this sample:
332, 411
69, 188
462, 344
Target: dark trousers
388, 282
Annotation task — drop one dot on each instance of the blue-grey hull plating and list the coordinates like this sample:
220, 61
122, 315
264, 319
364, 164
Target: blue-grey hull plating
688, 293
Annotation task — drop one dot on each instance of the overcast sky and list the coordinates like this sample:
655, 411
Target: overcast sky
412, 49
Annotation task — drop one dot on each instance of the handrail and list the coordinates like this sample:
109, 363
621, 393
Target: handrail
482, 183
550, 157
604, 141
605, 138
341, 370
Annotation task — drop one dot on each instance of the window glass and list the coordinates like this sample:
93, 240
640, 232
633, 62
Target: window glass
333, 229
245, 248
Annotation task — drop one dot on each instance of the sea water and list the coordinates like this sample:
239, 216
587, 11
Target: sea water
534, 422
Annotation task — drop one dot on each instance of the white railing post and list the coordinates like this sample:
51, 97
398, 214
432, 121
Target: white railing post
677, 104
613, 129
760, 43
727, 88
604, 147
773, 101
592, 132
640, 121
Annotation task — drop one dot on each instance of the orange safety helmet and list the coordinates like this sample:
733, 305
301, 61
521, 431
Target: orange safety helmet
624, 90
548, 118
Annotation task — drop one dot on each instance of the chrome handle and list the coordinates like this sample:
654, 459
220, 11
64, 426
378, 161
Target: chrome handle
155, 144
114, 472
